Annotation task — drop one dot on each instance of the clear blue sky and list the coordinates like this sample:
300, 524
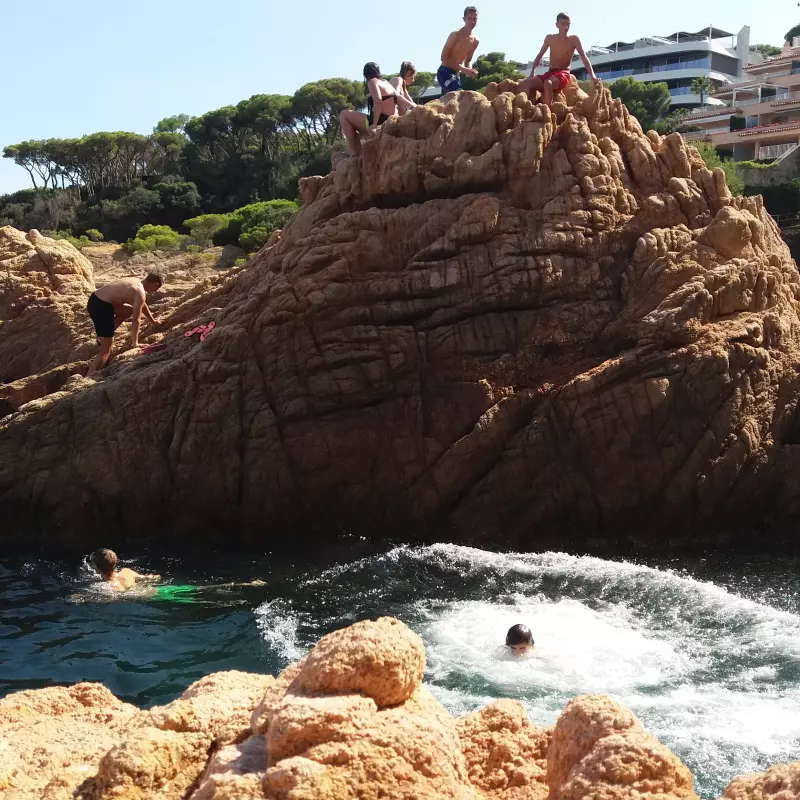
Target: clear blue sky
83, 66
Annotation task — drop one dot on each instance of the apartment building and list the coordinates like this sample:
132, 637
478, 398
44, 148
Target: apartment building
760, 116
676, 60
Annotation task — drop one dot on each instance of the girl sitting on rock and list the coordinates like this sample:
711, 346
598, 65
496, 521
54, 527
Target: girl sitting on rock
402, 81
382, 103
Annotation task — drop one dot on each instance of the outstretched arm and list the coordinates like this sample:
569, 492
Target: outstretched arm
136, 319
585, 59
468, 63
539, 57
146, 312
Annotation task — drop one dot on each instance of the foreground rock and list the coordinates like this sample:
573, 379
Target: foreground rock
501, 321
351, 720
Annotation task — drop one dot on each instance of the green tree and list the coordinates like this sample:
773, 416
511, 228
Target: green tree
94, 235
768, 50
253, 224
174, 124
315, 109
703, 87
204, 227
791, 33
422, 81
646, 101
492, 68
712, 160
674, 121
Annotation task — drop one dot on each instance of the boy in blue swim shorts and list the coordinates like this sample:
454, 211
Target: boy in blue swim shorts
458, 53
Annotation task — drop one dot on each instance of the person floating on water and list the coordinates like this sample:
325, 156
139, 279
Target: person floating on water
562, 48
110, 305
383, 102
457, 54
105, 561
519, 639
402, 81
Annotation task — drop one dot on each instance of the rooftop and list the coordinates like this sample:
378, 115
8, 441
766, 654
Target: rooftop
777, 60
703, 35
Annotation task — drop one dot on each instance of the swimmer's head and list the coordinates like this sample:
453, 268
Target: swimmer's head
471, 17
104, 561
563, 22
520, 639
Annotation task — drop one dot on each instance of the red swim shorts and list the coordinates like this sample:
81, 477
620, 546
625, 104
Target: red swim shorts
561, 74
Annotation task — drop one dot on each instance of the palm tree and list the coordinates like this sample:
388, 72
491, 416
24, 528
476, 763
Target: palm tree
703, 87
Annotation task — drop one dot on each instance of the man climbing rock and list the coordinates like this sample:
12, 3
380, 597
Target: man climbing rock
458, 53
562, 48
116, 302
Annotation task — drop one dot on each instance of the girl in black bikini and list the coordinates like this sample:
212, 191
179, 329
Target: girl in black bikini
382, 103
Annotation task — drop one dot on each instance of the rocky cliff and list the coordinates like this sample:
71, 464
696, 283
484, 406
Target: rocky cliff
351, 720
501, 320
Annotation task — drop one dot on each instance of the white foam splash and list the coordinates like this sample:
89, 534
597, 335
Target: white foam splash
715, 676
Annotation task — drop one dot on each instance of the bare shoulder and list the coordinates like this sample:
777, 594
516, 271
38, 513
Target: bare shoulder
574, 39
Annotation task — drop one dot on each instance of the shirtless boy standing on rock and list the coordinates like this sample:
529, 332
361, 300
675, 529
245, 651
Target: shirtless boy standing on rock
457, 54
562, 47
115, 302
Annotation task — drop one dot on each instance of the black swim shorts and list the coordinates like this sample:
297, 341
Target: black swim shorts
102, 314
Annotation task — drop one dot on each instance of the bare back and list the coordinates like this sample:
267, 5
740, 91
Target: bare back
124, 579
380, 88
562, 49
126, 291
459, 49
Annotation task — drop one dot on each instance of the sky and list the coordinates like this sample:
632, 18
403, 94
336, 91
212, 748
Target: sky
86, 65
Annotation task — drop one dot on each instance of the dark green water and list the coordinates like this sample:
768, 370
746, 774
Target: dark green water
705, 651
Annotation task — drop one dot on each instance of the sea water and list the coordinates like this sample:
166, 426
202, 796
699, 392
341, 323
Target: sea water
706, 652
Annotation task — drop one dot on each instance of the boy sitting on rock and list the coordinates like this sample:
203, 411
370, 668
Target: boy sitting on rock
104, 562
562, 47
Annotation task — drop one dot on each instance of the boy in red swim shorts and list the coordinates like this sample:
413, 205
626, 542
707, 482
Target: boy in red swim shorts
562, 47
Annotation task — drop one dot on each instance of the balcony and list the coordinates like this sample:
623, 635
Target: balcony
775, 151
773, 102
770, 130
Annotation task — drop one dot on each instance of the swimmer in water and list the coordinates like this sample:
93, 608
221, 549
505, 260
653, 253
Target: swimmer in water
519, 639
105, 561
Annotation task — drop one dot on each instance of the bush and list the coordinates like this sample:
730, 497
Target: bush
251, 226
94, 235
194, 251
77, 242
154, 237
205, 226
756, 164
712, 160
240, 262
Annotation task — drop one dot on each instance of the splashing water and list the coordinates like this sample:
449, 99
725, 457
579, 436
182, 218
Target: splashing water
711, 667
714, 676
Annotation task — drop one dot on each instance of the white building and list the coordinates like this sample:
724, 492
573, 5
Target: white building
676, 60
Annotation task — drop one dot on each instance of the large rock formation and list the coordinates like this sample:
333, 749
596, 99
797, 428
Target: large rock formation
44, 286
501, 320
351, 720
